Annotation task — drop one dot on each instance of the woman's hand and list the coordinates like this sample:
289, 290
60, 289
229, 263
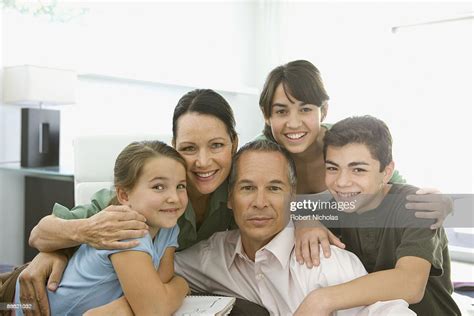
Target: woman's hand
308, 240
45, 266
107, 228
430, 203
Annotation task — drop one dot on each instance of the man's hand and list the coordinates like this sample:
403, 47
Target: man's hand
307, 244
107, 228
45, 266
430, 204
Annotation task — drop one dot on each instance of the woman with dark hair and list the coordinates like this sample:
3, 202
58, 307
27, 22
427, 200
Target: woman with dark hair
205, 136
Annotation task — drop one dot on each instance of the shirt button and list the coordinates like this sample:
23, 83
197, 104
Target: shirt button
259, 276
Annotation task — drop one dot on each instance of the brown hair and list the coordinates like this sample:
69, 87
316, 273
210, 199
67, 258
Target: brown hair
131, 160
208, 102
366, 130
300, 79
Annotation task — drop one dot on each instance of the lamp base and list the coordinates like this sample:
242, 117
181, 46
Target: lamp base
39, 137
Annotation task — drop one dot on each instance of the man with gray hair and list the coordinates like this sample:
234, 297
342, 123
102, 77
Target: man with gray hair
257, 262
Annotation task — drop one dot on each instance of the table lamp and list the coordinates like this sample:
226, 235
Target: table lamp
37, 86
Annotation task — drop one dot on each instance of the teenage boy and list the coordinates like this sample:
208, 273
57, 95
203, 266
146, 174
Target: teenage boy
405, 259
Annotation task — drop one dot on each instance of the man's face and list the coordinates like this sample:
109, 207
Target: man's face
261, 195
352, 174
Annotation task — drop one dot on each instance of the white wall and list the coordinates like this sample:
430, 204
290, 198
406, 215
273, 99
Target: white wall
418, 80
205, 45
11, 186
105, 107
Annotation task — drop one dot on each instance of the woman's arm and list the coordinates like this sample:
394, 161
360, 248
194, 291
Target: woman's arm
142, 286
103, 230
53, 233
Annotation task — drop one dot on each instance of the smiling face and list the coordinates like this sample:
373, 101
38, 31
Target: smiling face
260, 197
205, 144
294, 124
352, 174
159, 194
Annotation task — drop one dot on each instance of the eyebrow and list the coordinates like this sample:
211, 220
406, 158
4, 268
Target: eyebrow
217, 138
351, 164
246, 181
301, 103
358, 163
187, 142
331, 163
278, 182
159, 178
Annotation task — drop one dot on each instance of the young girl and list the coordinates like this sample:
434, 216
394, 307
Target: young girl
149, 177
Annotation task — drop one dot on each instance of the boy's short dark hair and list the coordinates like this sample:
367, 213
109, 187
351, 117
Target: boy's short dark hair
366, 130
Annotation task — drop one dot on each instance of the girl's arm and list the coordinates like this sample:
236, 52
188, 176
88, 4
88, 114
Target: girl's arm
166, 269
142, 286
309, 239
121, 306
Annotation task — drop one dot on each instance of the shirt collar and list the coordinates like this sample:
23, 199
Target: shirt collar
218, 197
280, 246
238, 250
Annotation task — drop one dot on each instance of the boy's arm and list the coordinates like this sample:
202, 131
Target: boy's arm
406, 281
142, 286
103, 230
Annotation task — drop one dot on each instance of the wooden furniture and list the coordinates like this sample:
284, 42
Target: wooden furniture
44, 186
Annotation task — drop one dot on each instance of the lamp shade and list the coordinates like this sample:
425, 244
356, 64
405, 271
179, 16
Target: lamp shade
33, 85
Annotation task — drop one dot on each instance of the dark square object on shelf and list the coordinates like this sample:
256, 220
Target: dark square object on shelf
39, 137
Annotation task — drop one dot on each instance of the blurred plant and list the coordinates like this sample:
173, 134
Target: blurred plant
52, 9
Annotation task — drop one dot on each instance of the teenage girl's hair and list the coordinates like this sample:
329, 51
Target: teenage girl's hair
300, 80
